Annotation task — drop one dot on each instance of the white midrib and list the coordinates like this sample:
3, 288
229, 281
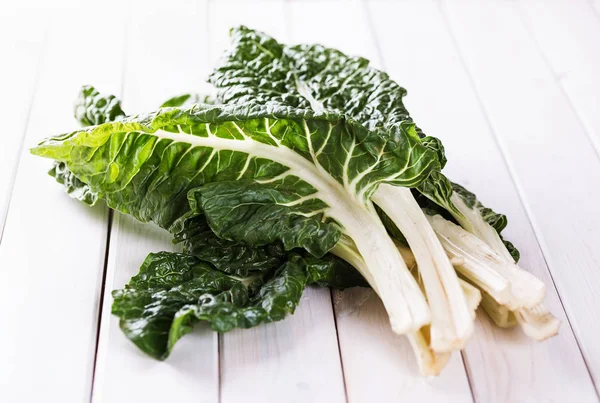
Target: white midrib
388, 273
451, 318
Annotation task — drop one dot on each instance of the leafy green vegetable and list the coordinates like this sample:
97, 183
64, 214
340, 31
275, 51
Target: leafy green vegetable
323, 166
236, 258
313, 76
173, 291
74, 187
93, 108
298, 171
327, 80
248, 211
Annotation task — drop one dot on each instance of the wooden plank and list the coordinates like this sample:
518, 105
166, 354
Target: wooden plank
568, 34
166, 56
21, 50
365, 337
547, 151
52, 254
439, 91
297, 359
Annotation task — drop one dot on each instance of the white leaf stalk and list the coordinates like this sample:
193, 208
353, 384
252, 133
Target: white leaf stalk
500, 314
472, 294
535, 320
504, 281
451, 319
430, 362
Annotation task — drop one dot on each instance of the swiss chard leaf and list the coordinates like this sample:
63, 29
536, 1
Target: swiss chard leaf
285, 211
74, 187
173, 291
146, 165
237, 258
93, 108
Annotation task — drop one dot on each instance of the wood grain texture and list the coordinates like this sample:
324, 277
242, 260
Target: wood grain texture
52, 253
277, 362
361, 318
548, 153
567, 35
160, 64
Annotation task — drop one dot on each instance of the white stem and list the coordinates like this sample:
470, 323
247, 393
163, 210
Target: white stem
472, 293
500, 314
452, 322
430, 362
534, 319
387, 273
504, 281
537, 323
479, 227
473, 296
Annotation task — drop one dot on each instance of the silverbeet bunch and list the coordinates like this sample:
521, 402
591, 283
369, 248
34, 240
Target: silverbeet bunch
305, 168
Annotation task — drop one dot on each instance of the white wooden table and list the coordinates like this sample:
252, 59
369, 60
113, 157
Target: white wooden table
511, 87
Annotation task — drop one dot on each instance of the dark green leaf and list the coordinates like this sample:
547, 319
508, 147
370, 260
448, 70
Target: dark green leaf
231, 257
93, 108
247, 211
173, 291
74, 187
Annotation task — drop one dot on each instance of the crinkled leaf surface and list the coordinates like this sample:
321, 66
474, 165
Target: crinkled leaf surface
173, 291
237, 258
248, 211
74, 187
93, 108
324, 78
146, 165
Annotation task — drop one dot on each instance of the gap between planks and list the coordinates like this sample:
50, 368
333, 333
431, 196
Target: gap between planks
379, 52
590, 137
15, 166
111, 213
508, 164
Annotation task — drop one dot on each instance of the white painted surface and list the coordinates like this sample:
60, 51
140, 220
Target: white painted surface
21, 64
551, 158
52, 251
157, 67
510, 87
567, 34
